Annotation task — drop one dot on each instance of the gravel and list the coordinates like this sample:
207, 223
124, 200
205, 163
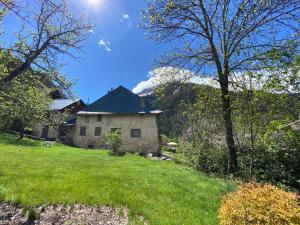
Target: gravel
59, 214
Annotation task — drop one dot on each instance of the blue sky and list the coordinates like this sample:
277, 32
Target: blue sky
116, 52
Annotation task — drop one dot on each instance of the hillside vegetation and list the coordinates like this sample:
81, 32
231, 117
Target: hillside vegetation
160, 191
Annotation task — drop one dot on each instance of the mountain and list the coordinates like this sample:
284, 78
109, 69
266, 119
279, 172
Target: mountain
146, 92
172, 100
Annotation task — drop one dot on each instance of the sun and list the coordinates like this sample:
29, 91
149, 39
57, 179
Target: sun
94, 2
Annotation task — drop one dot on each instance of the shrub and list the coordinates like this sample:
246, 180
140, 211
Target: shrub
280, 163
254, 203
210, 159
114, 141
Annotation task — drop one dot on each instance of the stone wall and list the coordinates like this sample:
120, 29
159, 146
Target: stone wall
148, 142
52, 131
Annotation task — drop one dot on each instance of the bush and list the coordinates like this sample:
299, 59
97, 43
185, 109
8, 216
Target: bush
114, 141
254, 203
281, 161
209, 159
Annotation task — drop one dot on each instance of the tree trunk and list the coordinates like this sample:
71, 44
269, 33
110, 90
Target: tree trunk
226, 106
16, 72
22, 131
25, 65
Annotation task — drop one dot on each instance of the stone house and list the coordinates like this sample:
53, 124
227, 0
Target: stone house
87, 126
119, 109
59, 111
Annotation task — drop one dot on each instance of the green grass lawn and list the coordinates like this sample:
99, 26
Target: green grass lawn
161, 191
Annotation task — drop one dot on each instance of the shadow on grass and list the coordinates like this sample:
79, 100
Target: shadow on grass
116, 154
15, 140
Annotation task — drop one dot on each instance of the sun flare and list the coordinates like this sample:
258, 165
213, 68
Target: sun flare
94, 2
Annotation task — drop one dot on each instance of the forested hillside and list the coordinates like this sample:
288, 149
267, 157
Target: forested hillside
192, 115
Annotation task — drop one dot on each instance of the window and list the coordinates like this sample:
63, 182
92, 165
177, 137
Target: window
82, 131
135, 133
99, 118
113, 130
97, 131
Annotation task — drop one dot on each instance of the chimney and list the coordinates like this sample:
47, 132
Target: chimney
143, 103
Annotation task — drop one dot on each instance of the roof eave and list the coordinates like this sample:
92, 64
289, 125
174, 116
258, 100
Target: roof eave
114, 113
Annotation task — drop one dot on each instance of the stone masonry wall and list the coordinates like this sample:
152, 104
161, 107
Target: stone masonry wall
52, 131
148, 142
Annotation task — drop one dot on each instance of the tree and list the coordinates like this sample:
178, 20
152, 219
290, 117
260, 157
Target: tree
30, 66
203, 141
52, 31
114, 140
24, 100
222, 37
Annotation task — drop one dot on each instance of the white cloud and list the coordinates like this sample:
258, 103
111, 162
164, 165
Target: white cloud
125, 16
167, 74
105, 44
163, 75
143, 85
102, 42
126, 19
108, 49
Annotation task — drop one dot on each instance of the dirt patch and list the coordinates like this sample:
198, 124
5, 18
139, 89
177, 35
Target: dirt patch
62, 215
11, 215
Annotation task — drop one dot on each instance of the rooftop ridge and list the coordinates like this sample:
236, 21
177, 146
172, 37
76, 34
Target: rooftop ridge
119, 100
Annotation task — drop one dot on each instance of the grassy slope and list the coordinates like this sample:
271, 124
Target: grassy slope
163, 192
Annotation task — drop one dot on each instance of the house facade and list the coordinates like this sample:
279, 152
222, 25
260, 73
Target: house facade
121, 110
139, 132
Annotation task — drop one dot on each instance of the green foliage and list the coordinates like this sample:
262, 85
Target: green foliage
114, 141
25, 99
234, 44
284, 66
171, 98
278, 159
203, 141
29, 69
264, 153
161, 191
165, 138
210, 160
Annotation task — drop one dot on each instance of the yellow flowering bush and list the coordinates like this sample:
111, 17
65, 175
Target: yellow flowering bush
254, 203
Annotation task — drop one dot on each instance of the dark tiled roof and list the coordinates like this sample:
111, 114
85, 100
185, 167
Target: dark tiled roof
119, 100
